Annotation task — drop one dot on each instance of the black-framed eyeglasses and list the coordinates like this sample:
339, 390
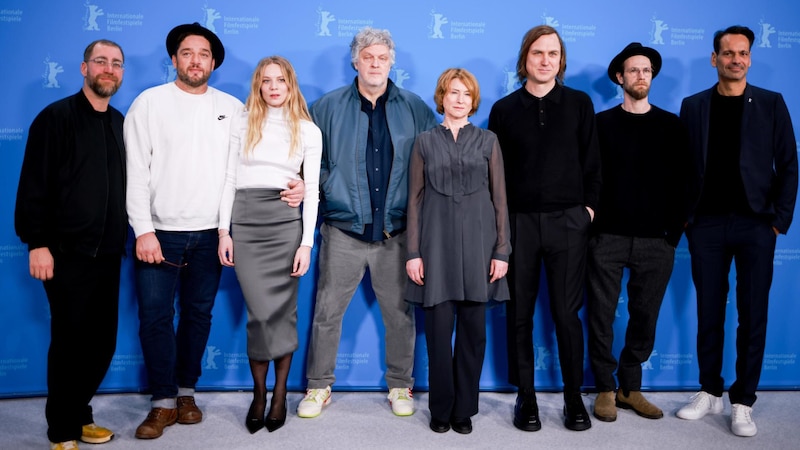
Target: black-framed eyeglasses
172, 264
116, 65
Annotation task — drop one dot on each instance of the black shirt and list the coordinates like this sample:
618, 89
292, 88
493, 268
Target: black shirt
116, 227
644, 163
550, 149
723, 189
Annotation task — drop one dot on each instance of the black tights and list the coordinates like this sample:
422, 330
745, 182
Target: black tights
259, 370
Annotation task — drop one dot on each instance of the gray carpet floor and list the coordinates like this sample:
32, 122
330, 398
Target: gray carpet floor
363, 420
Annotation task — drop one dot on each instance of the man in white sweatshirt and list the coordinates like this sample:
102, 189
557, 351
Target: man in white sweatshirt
177, 138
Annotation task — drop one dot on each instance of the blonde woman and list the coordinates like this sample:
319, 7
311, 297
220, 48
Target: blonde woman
272, 143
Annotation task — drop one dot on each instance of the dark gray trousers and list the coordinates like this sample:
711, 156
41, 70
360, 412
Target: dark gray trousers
650, 262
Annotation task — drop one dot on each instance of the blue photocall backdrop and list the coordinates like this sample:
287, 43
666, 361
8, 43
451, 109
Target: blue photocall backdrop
42, 47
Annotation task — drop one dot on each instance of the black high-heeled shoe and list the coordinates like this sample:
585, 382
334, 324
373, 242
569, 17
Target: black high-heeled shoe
273, 424
254, 420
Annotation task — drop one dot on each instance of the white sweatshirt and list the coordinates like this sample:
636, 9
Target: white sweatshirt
269, 166
177, 148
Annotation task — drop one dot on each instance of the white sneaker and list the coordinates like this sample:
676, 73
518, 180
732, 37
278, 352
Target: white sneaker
702, 403
312, 403
402, 401
742, 421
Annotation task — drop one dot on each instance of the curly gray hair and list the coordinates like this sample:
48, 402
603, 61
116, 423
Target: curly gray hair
368, 36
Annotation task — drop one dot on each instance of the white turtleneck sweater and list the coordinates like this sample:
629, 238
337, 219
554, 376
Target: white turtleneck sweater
269, 165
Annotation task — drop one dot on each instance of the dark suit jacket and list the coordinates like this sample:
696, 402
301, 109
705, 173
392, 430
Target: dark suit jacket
768, 159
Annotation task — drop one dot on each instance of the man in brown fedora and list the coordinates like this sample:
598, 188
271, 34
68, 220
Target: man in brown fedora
638, 225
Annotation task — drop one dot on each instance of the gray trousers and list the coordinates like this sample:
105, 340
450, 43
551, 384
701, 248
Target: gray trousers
650, 262
343, 261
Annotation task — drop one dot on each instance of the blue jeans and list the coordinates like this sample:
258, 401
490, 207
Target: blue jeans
173, 357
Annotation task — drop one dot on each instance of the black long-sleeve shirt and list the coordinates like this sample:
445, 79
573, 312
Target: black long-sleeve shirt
645, 160
550, 149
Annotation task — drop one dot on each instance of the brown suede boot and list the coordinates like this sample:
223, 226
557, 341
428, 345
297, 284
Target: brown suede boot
604, 408
636, 401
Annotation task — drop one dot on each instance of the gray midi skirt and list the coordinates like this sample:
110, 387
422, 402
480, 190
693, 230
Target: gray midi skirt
266, 233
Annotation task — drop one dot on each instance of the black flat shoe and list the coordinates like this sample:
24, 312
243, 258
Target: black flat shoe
461, 426
526, 411
255, 419
273, 424
575, 416
439, 426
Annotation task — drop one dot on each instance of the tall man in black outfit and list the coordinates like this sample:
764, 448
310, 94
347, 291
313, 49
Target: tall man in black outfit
638, 225
552, 162
743, 185
71, 212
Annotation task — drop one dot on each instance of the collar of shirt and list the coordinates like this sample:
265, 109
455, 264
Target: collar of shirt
529, 100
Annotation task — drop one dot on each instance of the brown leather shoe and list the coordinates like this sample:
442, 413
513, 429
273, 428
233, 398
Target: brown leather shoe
188, 412
157, 419
636, 401
604, 408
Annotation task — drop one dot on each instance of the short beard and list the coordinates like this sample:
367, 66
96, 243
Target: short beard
103, 91
637, 94
193, 82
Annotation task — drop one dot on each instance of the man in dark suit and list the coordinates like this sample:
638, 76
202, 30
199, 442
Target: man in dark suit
743, 183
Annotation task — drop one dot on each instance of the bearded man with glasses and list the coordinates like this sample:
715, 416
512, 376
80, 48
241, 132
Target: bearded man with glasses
640, 217
70, 212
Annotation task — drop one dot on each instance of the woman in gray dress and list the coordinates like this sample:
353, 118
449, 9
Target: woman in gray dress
458, 246
271, 144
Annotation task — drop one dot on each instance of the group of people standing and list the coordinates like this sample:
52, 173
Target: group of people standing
438, 213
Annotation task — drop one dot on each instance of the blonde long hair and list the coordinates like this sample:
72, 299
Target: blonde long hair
295, 105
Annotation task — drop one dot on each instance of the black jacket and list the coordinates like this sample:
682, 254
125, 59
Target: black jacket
768, 158
63, 189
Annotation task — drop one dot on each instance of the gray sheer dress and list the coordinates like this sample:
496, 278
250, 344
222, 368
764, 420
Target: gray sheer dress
457, 216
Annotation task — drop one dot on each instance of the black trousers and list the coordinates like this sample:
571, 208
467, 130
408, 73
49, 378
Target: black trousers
558, 241
84, 304
649, 261
454, 372
713, 243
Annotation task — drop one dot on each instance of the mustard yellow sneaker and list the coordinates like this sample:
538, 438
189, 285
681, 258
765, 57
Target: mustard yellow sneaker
93, 434
68, 445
